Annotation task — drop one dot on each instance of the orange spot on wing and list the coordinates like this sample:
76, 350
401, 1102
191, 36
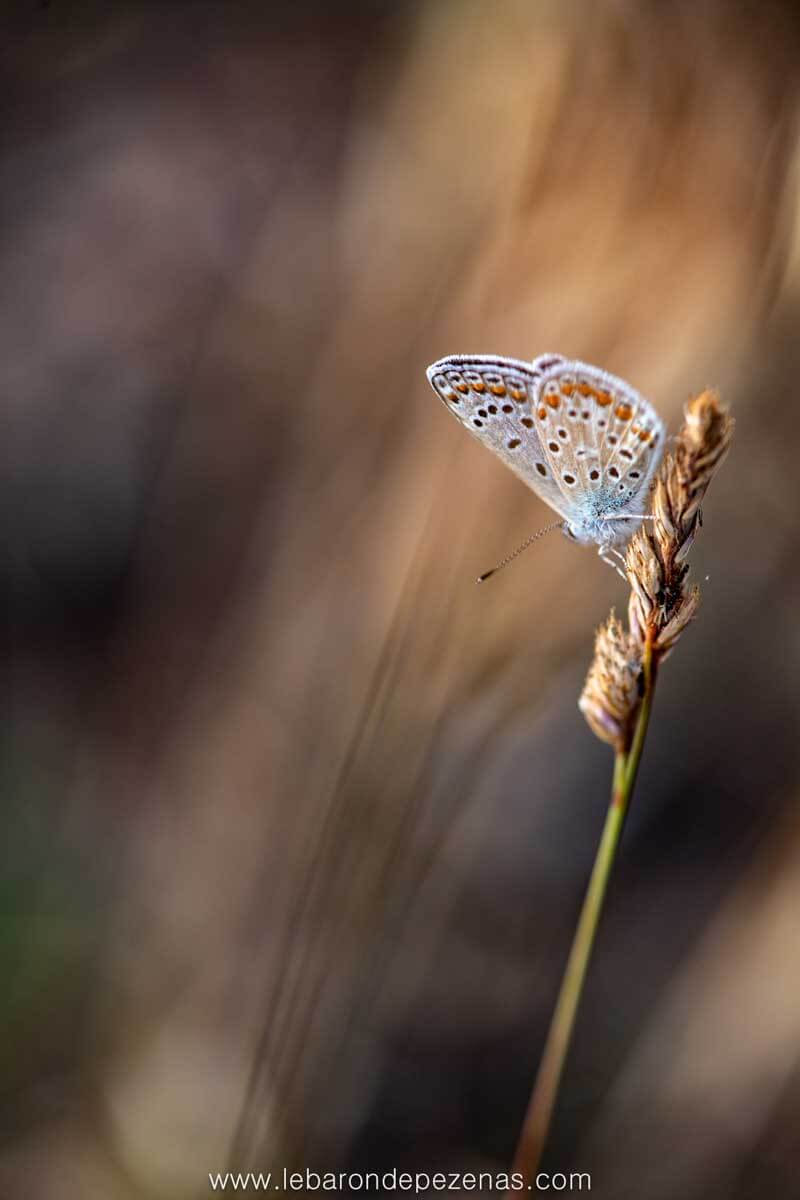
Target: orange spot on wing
567, 389
542, 413
517, 394
585, 389
603, 398
644, 436
624, 412
497, 389
552, 401
462, 387
479, 387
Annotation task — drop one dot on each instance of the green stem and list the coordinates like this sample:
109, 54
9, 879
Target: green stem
540, 1109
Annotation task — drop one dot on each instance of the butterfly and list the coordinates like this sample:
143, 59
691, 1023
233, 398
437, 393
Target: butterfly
585, 441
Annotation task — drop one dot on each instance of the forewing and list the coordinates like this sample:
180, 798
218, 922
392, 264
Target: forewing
495, 399
599, 436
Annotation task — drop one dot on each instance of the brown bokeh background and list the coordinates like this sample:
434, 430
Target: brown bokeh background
297, 820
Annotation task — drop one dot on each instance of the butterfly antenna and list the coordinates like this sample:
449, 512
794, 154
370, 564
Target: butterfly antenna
510, 558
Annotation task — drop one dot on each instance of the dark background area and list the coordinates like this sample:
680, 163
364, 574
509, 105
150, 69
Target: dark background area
296, 820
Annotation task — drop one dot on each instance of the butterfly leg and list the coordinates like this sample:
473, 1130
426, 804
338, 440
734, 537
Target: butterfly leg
632, 517
604, 552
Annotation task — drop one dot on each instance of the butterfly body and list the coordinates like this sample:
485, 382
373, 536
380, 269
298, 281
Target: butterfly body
594, 525
585, 441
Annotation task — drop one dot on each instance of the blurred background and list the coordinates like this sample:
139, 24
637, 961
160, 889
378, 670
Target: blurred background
297, 820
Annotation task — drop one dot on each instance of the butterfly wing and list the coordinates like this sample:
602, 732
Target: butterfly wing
496, 399
601, 439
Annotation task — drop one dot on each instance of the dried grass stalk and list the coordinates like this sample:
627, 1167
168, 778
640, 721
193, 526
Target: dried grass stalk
617, 698
611, 692
661, 603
